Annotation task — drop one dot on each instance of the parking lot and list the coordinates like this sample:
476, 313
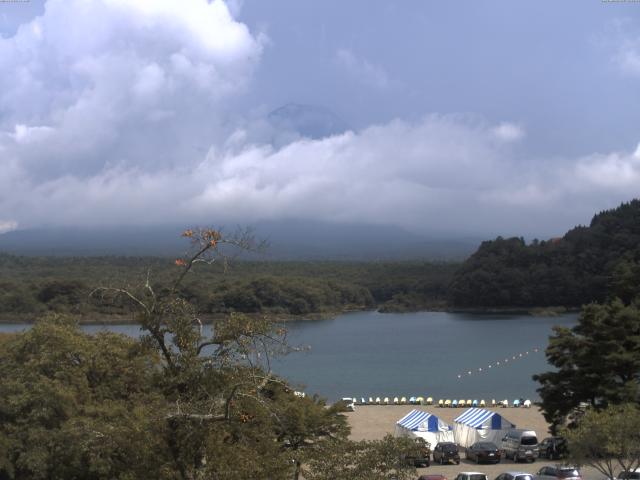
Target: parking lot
370, 422
492, 471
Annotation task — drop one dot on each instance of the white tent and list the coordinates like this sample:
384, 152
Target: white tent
419, 424
478, 424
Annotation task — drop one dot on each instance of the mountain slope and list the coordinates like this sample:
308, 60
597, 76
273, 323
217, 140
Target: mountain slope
587, 264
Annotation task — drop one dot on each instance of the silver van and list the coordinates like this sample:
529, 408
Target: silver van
520, 445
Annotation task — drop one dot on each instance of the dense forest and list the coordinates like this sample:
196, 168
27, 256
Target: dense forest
31, 286
590, 263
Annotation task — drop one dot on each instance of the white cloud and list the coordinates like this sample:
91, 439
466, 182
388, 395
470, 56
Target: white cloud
615, 170
362, 70
24, 134
508, 132
624, 43
115, 114
103, 82
7, 226
629, 60
443, 173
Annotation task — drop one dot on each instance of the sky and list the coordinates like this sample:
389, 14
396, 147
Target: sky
457, 118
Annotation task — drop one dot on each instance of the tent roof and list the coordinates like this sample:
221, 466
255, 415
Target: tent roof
414, 419
476, 417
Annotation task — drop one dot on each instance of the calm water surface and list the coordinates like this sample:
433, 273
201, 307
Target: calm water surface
426, 353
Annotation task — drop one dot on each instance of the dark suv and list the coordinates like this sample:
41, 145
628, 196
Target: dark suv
553, 448
446, 452
483, 452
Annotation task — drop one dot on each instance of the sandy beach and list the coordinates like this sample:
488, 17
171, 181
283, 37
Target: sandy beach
371, 422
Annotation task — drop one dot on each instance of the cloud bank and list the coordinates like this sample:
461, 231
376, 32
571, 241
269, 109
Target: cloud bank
118, 113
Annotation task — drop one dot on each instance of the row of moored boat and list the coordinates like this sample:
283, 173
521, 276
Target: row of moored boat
440, 403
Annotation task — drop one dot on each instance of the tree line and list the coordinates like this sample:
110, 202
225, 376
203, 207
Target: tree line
31, 286
588, 264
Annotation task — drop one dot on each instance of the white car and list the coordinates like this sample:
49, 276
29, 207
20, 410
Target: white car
349, 403
558, 472
471, 476
514, 476
628, 475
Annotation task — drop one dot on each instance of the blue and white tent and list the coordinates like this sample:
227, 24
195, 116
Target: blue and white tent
478, 424
419, 424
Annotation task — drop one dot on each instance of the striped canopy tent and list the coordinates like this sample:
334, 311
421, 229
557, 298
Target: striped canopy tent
478, 424
419, 424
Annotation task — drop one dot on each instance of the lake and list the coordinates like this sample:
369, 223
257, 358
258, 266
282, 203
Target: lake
437, 354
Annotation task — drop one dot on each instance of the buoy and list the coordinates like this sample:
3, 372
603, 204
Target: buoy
396, 400
386, 400
430, 401
482, 404
440, 403
447, 403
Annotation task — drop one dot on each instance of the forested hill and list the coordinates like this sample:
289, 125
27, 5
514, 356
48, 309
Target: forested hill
587, 264
32, 286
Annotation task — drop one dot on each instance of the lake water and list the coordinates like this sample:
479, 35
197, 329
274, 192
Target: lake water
367, 354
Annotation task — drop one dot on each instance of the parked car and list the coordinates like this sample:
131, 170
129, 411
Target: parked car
520, 445
514, 476
553, 448
349, 403
483, 452
629, 475
421, 456
471, 476
558, 472
446, 452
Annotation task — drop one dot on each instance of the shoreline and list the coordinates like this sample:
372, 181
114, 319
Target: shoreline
130, 319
